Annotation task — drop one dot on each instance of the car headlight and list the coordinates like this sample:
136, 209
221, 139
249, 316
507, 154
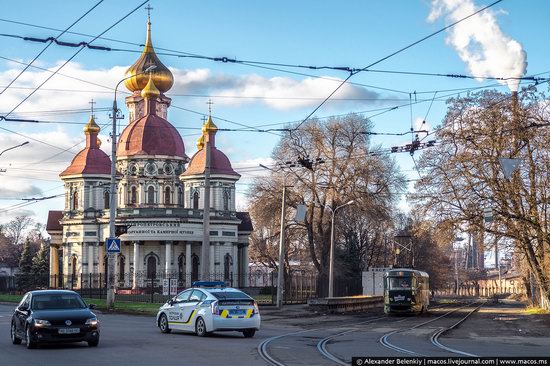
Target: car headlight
91, 321
41, 323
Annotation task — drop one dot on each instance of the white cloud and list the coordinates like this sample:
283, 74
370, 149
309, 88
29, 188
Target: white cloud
480, 42
279, 93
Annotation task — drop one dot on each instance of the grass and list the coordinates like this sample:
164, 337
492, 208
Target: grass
11, 298
535, 310
143, 308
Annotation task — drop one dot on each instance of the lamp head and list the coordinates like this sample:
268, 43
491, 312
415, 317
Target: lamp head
150, 68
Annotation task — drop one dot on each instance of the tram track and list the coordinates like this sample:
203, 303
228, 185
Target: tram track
263, 347
385, 339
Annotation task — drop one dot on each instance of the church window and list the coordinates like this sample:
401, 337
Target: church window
196, 200
227, 262
121, 268
75, 200
195, 268
180, 196
167, 196
133, 196
226, 199
151, 195
181, 264
74, 260
151, 267
106, 200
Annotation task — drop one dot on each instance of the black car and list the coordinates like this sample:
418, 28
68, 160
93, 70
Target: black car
54, 316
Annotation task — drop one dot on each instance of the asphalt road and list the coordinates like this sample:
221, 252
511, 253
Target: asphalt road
498, 330
136, 341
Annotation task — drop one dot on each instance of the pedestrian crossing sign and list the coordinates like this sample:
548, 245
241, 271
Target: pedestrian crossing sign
113, 245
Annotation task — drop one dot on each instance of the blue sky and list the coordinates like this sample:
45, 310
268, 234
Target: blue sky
343, 33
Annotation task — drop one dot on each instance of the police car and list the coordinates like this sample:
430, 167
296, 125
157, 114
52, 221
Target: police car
209, 307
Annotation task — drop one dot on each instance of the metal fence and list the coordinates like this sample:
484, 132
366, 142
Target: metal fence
159, 287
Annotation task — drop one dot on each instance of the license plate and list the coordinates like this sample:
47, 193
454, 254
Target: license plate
237, 312
69, 330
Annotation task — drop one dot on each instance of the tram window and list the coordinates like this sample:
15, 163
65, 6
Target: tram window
400, 283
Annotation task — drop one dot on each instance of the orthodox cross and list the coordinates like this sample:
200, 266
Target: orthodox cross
148, 8
210, 102
92, 106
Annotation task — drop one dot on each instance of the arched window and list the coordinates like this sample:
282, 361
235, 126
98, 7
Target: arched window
151, 267
226, 199
73, 263
121, 268
133, 196
75, 200
195, 268
106, 200
227, 262
181, 264
151, 195
196, 200
167, 196
180, 196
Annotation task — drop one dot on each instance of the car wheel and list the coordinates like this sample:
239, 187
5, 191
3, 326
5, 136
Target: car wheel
93, 343
30, 343
14, 338
249, 333
200, 328
163, 324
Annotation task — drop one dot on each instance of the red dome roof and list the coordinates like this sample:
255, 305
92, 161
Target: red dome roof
150, 135
90, 160
219, 163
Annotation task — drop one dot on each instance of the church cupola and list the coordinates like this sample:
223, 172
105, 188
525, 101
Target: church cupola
91, 159
162, 76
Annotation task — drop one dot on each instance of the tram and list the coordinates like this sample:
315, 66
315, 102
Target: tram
406, 291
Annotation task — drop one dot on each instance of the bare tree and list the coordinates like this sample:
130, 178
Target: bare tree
463, 174
351, 169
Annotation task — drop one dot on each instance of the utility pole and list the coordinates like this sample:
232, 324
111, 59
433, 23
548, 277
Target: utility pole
113, 195
280, 272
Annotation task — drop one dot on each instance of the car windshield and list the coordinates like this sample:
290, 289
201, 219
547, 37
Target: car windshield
233, 295
57, 301
399, 283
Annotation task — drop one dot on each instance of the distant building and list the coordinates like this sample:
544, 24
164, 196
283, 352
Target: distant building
160, 194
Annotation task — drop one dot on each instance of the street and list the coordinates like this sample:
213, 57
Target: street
489, 330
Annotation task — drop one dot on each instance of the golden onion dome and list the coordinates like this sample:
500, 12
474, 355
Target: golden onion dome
200, 142
91, 126
150, 91
162, 76
209, 126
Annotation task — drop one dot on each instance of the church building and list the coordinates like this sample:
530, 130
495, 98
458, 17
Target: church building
160, 199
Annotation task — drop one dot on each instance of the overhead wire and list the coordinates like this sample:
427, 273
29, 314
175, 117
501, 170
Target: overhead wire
391, 55
48, 45
74, 55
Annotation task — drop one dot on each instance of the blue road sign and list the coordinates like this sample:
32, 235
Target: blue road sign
113, 245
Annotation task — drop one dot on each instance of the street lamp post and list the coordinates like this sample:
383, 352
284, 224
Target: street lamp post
280, 271
112, 197
331, 259
13, 147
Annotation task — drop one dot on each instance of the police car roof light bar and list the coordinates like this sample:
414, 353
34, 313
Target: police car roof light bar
208, 284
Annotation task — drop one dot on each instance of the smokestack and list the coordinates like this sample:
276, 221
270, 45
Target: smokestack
481, 43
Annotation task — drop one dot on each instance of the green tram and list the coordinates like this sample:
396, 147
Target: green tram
406, 291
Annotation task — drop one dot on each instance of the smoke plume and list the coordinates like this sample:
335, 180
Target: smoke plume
480, 42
